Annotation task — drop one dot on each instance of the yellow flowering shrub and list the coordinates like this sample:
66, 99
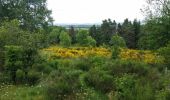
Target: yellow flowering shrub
147, 56
75, 52
139, 55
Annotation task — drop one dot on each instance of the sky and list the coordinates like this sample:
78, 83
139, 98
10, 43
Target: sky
94, 11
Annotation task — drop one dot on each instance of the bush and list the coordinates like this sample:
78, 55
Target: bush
65, 39
119, 67
53, 37
91, 41
124, 86
20, 76
117, 41
13, 60
42, 67
81, 37
82, 64
61, 84
165, 52
100, 80
33, 77
115, 52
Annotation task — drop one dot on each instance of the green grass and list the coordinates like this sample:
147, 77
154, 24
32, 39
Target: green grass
12, 92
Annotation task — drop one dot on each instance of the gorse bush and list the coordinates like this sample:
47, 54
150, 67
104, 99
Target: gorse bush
75, 52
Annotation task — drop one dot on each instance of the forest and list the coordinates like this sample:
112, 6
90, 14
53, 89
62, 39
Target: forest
111, 61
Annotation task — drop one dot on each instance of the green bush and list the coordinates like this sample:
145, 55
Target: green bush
53, 64
13, 60
82, 64
53, 37
100, 80
20, 76
124, 86
42, 67
119, 67
115, 52
91, 41
117, 41
65, 39
33, 77
165, 52
81, 37
61, 84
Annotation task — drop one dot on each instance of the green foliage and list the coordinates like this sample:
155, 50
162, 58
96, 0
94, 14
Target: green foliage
81, 37
119, 67
13, 60
72, 33
33, 77
31, 14
130, 32
115, 52
124, 86
91, 41
84, 39
100, 80
165, 52
65, 39
61, 84
107, 30
117, 41
82, 64
20, 76
12, 34
53, 37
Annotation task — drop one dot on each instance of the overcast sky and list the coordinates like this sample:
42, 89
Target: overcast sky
94, 11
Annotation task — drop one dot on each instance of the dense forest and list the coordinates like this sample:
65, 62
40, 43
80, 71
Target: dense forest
111, 61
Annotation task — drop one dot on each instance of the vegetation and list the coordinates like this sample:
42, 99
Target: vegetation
113, 61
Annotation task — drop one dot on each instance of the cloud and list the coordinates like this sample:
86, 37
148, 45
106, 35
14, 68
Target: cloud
94, 11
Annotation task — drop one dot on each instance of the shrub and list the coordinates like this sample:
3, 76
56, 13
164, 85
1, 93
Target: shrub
91, 41
82, 64
65, 39
119, 67
20, 76
13, 60
124, 86
165, 52
100, 80
117, 41
42, 67
61, 83
33, 77
81, 37
53, 37
115, 52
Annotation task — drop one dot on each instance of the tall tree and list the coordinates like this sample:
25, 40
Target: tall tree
32, 14
127, 32
157, 24
108, 29
72, 34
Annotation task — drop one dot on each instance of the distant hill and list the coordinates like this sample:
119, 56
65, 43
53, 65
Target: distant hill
78, 26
